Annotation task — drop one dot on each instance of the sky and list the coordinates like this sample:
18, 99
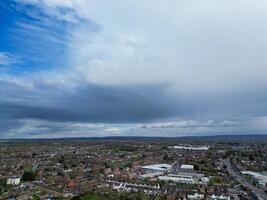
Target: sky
90, 68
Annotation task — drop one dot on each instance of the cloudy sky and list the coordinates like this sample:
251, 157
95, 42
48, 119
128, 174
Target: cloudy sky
83, 68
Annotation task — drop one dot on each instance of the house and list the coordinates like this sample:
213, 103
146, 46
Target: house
221, 197
195, 196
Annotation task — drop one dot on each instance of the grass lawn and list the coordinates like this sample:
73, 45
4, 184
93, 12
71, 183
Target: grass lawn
94, 197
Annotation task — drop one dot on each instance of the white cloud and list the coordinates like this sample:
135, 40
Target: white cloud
32, 128
7, 59
194, 45
189, 124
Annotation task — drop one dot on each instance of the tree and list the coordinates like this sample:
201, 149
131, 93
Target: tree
28, 176
35, 197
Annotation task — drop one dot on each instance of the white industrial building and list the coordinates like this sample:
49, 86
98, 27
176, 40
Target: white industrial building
150, 175
177, 173
178, 179
201, 148
13, 180
187, 167
157, 167
261, 178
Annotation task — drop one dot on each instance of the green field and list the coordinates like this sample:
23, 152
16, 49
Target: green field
94, 197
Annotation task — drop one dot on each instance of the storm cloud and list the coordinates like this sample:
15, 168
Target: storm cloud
87, 102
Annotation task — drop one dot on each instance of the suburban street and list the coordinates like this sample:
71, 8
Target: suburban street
257, 191
49, 190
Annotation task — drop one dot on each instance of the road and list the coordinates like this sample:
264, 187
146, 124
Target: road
45, 189
257, 191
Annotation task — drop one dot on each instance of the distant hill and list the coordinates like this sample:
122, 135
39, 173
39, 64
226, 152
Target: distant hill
215, 138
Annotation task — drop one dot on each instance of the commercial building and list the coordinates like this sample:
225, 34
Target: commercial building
260, 178
157, 168
202, 148
178, 179
13, 180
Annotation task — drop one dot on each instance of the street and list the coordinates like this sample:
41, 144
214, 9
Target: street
257, 191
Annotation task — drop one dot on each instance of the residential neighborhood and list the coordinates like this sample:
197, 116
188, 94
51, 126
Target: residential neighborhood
72, 169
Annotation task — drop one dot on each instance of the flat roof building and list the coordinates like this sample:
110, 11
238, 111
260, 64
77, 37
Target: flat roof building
178, 179
187, 167
13, 180
157, 167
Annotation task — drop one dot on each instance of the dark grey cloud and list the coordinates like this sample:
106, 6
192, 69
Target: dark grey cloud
115, 104
89, 103
37, 107
241, 103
